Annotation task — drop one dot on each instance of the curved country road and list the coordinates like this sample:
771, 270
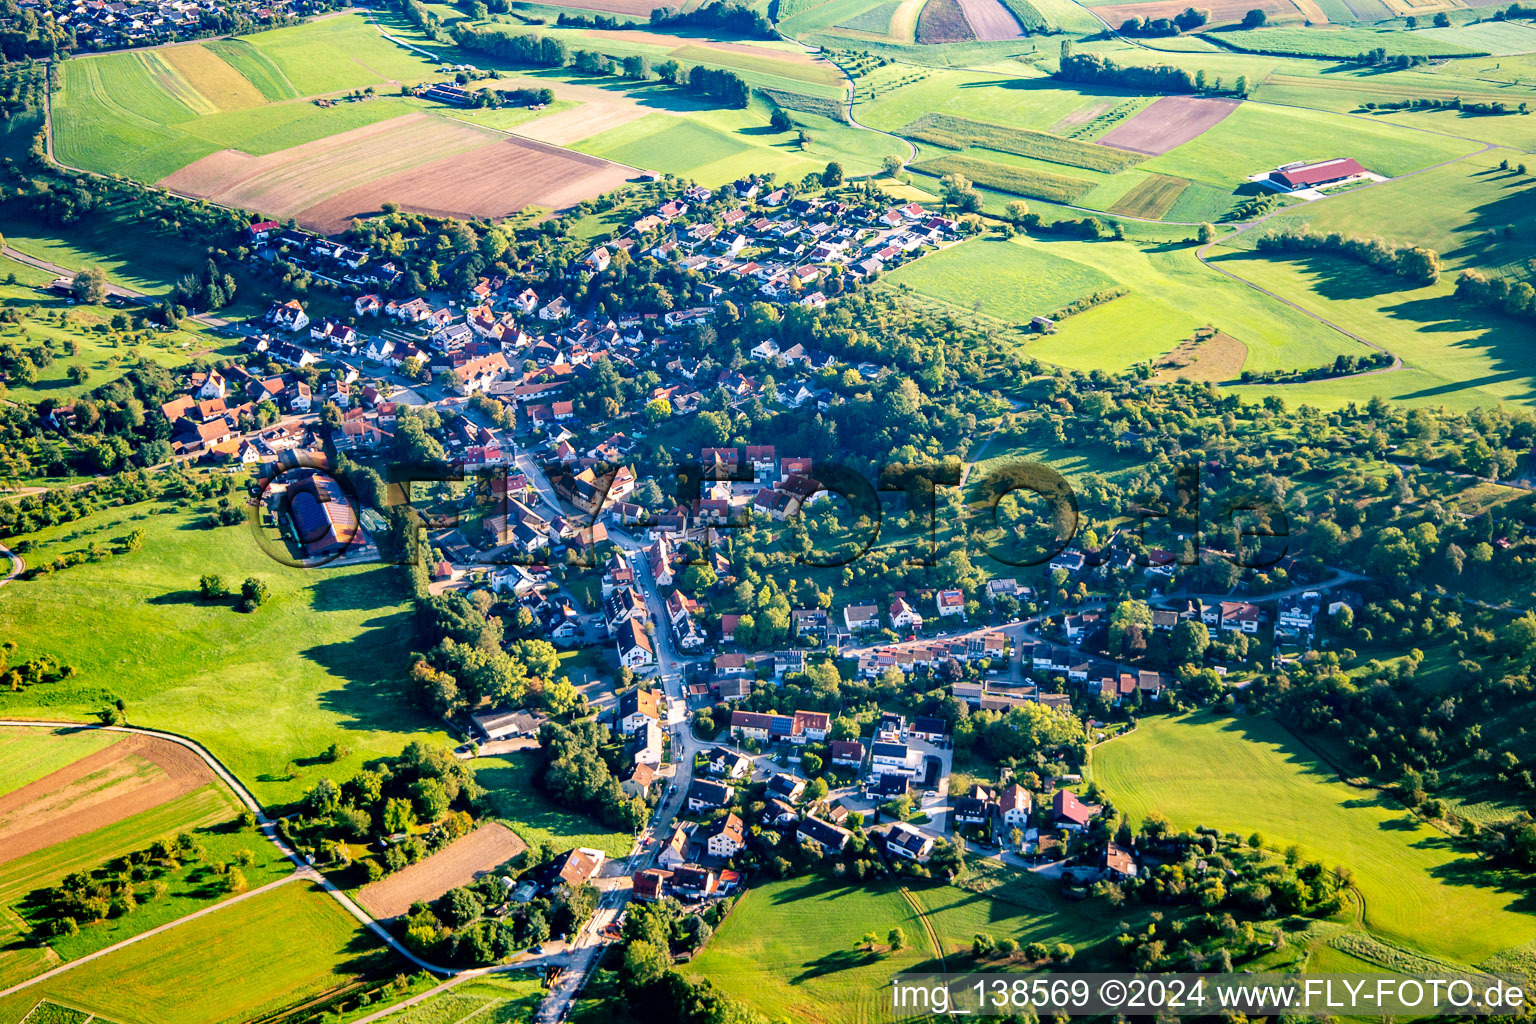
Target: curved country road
18, 565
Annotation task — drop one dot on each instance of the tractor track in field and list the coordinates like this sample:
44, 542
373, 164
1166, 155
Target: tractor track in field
928, 929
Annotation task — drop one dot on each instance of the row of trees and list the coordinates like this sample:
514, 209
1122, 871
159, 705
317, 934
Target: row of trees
1413, 263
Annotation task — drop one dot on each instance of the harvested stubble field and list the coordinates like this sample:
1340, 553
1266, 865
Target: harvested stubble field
1168, 123
133, 775
482, 851
1216, 358
990, 20
422, 162
1152, 197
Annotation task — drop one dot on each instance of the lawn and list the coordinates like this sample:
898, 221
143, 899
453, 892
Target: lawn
261, 955
1461, 355
515, 800
27, 755
267, 692
1417, 890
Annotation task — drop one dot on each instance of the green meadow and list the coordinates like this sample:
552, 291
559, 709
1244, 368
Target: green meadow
504, 999
240, 963
1250, 775
267, 692
513, 798
1170, 294
1460, 355
790, 947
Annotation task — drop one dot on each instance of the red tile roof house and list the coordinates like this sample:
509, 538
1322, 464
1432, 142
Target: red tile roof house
1071, 813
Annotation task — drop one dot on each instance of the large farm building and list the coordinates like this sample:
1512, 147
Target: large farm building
1325, 172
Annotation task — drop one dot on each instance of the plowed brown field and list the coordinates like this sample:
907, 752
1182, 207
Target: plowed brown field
1168, 123
134, 775
424, 163
482, 851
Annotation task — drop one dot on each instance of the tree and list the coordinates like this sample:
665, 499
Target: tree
1017, 210
892, 166
89, 286
253, 594
398, 816
896, 939
645, 963
1190, 641
212, 587
779, 121
1207, 233
1255, 19
833, 175
1442, 20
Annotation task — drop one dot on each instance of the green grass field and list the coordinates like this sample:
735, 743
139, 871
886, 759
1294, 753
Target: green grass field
789, 950
509, 780
1250, 775
241, 963
1171, 294
266, 692
1461, 211
1500, 38
715, 146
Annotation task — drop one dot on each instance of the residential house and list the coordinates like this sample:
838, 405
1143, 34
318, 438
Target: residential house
822, 836
908, 842
725, 838
704, 795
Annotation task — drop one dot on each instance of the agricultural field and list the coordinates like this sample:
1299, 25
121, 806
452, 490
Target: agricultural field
260, 955
422, 162
1416, 889
1499, 38
1340, 42
514, 800
466, 859
74, 799
30, 754
716, 146
314, 666
1222, 11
